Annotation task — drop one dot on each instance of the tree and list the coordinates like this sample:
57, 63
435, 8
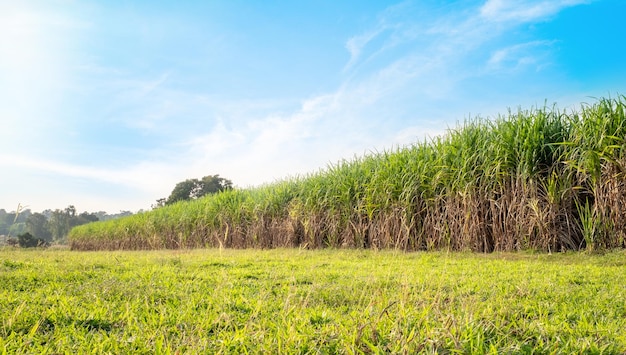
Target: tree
159, 203
192, 189
61, 221
214, 183
4, 222
184, 190
37, 225
17, 229
14, 223
58, 225
4, 228
86, 217
49, 225
70, 211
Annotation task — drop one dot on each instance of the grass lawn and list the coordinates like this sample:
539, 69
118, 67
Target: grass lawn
300, 301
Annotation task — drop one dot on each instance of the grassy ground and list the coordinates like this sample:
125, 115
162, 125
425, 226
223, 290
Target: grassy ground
298, 301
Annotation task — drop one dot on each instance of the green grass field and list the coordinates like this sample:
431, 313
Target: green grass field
301, 301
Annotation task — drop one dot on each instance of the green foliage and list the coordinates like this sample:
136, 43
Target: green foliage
61, 222
37, 225
512, 183
17, 228
14, 223
311, 302
27, 240
5, 222
49, 226
192, 189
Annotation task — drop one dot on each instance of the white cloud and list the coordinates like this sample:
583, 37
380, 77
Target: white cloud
387, 101
263, 149
524, 10
133, 176
393, 27
356, 44
45, 182
359, 116
219, 142
521, 55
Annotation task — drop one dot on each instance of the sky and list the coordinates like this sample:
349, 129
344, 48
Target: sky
106, 105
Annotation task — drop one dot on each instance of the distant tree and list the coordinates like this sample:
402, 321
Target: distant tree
103, 216
214, 183
86, 217
4, 222
21, 214
159, 203
61, 221
13, 223
49, 225
184, 190
47, 213
37, 225
121, 214
70, 211
58, 224
191, 189
17, 229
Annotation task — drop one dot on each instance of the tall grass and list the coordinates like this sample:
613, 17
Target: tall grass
532, 179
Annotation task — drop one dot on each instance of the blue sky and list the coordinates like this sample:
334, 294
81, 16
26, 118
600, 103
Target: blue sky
106, 105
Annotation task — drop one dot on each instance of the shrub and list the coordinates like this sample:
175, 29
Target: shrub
27, 240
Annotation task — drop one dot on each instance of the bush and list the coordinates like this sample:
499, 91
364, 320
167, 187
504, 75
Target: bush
27, 240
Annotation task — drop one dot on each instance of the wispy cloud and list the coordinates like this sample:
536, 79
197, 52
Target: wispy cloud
524, 10
356, 44
139, 176
350, 120
408, 75
58, 184
521, 55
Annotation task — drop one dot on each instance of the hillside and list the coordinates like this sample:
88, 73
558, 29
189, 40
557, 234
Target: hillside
534, 179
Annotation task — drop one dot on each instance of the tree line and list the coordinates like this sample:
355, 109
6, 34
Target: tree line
27, 229
30, 229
